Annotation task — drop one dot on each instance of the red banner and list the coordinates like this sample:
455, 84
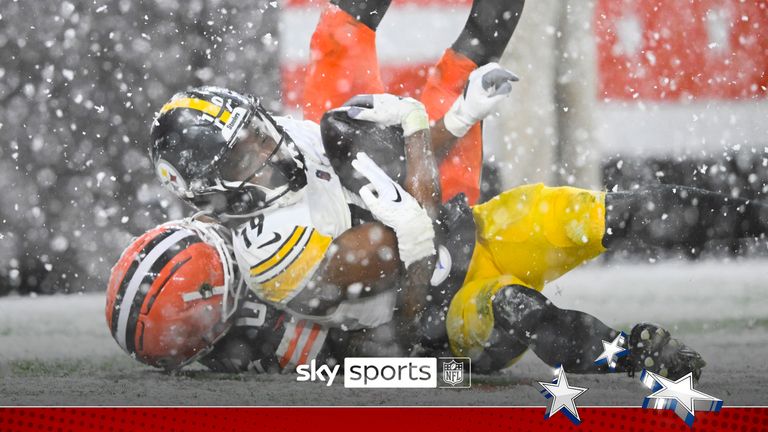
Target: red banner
368, 419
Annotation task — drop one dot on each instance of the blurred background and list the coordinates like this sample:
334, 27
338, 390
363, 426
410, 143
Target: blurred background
613, 94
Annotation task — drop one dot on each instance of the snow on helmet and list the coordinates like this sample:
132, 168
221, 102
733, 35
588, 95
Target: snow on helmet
172, 294
200, 133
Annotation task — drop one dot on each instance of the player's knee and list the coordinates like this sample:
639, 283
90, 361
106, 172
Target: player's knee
518, 307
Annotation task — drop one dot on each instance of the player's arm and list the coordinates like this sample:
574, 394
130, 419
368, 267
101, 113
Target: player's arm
442, 140
486, 87
421, 182
422, 179
291, 265
363, 261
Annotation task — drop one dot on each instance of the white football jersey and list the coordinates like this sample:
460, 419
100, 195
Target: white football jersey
279, 250
324, 195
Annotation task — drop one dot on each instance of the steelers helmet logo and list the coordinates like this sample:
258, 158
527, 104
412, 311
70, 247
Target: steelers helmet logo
170, 176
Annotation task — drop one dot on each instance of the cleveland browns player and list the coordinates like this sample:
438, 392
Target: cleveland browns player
176, 296
343, 63
311, 244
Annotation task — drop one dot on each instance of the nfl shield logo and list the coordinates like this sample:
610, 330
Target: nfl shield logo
453, 372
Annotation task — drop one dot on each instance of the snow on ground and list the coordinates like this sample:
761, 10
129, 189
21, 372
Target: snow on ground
57, 350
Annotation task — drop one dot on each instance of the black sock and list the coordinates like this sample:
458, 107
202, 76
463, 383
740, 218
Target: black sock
368, 12
488, 29
569, 338
666, 215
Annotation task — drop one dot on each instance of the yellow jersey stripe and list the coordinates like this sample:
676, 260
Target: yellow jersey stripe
281, 252
289, 282
201, 105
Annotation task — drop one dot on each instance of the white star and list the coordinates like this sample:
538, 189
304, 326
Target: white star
681, 390
612, 351
563, 396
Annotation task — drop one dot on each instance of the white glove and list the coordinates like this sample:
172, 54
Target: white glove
389, 110
487, 86
397, 209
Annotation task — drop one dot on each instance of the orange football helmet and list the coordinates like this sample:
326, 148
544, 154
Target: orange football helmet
172, 293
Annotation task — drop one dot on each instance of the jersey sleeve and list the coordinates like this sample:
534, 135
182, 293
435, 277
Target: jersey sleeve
278, 260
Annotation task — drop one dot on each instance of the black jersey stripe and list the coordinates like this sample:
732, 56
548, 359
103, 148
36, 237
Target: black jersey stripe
141, 337
154, 270
129, 275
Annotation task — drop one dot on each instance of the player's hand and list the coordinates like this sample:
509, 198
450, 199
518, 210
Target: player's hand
396, 208
389, 110
486, 87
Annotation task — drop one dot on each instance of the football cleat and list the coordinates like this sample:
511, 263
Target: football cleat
654, 349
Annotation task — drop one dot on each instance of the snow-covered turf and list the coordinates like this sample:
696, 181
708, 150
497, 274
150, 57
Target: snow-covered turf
57, 350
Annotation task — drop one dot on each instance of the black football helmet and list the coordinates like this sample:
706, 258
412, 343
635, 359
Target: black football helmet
222, 152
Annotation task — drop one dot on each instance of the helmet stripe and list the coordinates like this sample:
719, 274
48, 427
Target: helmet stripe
173, 271
201, 105
135, 283
129, 275
141, 295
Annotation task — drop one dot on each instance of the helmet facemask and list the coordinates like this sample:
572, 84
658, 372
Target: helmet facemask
223, 153
262, 167
233, 289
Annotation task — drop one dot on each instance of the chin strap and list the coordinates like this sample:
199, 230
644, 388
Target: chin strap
284, 199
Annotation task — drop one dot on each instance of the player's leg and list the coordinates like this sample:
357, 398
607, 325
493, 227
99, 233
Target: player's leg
494, 321
557, 336
482, 40
538, 233
488, 29
343, 59
574, 339
666, 215
471, 330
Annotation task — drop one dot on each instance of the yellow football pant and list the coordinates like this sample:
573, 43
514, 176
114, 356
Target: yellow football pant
526, 236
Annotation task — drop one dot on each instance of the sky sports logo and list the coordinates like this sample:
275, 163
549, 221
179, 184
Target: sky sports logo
393, 372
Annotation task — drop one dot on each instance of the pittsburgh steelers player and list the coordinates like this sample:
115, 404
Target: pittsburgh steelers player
298, 258
311, 246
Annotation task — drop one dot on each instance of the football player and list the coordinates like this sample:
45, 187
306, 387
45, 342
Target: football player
175, 297
487, 310
343, 63
312, 245
343, 45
